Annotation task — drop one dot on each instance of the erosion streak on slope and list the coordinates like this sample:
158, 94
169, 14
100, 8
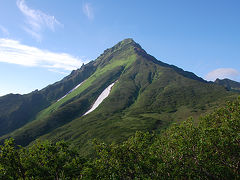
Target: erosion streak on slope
70, 91
88, 82
99, 100
41, 117
119, 62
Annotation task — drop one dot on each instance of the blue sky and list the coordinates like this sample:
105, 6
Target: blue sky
42, 41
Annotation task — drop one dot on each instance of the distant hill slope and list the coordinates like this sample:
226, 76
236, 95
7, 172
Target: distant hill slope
229, 84
148, 95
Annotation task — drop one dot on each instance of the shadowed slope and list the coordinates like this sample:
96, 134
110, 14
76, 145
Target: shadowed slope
16, 110
229, 84
108, 67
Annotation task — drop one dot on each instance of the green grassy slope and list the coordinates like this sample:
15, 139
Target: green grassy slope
17, 110
110, 65
146, 97
149, 95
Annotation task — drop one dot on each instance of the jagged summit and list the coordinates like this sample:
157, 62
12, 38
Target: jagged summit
127, 41
123, 45
119, 52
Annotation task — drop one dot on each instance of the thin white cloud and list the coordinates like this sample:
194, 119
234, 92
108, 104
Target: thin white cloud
12, 51
222, 73
35, 35
88, 11
4, 30
36, 20
57, 71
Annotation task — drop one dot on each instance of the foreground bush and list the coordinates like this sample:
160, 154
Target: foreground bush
209, 150
41, 161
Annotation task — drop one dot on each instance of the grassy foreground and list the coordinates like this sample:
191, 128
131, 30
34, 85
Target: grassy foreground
208, 150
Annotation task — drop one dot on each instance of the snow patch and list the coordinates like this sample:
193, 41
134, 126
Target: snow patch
70, 91
100, 98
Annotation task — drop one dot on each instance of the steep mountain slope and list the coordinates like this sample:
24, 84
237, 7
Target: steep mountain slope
16, 110
147, 95
108, 68
229, 84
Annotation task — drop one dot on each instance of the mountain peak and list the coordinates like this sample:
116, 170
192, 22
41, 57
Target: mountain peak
126, 42
125, 47
148, 95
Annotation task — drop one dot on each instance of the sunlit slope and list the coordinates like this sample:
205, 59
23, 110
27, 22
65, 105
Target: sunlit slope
147, 96
110, 66
16, 110
100, 99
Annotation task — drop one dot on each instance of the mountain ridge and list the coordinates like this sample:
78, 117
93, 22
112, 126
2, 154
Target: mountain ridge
229, 84
149, 95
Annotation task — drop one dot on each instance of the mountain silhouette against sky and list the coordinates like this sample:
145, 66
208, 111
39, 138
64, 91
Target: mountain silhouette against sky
145, 94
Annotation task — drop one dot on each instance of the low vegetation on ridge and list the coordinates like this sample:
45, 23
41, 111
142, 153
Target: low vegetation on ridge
207, 150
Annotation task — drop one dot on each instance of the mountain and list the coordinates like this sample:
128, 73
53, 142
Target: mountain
146, 94
16, 110
229, 84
